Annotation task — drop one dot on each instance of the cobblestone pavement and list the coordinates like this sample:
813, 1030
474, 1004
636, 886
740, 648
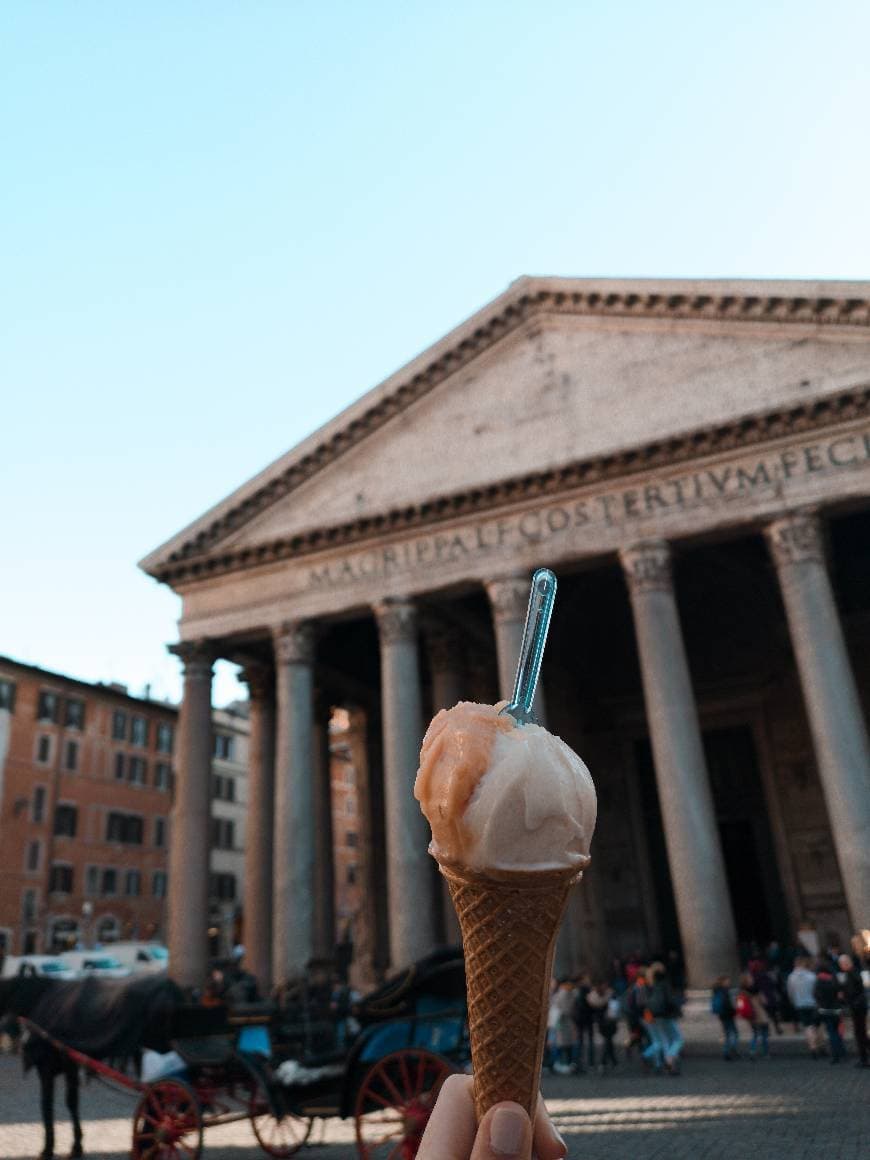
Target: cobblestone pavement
785, 1108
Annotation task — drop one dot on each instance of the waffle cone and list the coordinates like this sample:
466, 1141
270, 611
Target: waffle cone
509, 922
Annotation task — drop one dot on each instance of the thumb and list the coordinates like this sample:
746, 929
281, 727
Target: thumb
504, 1132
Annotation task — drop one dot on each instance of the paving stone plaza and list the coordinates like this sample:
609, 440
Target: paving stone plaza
784, 1107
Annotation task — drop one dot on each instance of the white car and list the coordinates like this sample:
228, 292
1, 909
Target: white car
46, 966
99, 963
145, 958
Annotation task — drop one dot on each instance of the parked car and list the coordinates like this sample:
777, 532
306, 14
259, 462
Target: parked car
141, 957
48, 966
96, 962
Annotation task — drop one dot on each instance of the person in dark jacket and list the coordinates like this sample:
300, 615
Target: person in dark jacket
723, 1008
829, 1000
662, 1012
856, 1001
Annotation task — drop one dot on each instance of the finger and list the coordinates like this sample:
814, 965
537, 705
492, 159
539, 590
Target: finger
452, 1126
547, 1142
505, 1131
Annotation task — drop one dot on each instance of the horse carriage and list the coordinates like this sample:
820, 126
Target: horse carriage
228, 1066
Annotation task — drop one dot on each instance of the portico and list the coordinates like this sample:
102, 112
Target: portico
647, 441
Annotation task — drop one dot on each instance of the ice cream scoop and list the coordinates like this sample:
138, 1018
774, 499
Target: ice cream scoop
503, 796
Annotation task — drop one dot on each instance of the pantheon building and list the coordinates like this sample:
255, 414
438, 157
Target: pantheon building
693, 461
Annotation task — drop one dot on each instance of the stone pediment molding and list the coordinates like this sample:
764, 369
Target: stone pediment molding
744, 432
805, 304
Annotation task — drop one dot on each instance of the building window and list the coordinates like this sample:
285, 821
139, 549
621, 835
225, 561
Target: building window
71, 756
48, 707
139, 731
7, 695
74, 713
109, 885
31, 860
223, 887
350, 805
119, 725
43, 749
28, 907
351, 875
126, 828
158, 883
37, 812
161, 775
350, 776
223, 833
350, 838
132, 884
160, 832
223, 788
164, 737
119, 766
92, 880
137, 771
65, 818
60, 878
223, 746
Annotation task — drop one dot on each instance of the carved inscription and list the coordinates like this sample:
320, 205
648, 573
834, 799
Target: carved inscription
713, 487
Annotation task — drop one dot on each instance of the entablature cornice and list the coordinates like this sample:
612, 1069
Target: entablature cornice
741, 434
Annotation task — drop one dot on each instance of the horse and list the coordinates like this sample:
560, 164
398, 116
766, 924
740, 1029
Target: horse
101, 1018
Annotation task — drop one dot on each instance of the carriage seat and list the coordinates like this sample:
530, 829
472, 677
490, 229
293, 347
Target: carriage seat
206, 1050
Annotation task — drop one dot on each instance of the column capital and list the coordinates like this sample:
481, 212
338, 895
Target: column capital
647, 566
197, 656
294, 643
796, 538
260, 679
509, 597
397, 619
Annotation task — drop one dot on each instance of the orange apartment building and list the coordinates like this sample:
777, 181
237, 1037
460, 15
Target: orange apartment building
85, 791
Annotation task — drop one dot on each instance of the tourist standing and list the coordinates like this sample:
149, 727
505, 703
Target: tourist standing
801, 993
829, 1000
723, 1008
749, 1007
855, 999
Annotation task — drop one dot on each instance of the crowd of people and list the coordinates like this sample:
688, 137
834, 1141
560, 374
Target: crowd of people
778, 987
586, 1012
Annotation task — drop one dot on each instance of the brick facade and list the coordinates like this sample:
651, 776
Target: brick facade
85, 794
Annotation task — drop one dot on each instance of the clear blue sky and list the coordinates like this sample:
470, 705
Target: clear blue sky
220, 223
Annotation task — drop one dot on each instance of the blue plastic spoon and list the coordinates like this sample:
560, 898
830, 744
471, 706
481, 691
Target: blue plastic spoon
541, 599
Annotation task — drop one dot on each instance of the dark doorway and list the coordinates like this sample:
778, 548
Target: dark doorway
747, 844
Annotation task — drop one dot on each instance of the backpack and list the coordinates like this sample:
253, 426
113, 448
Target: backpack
745, 1010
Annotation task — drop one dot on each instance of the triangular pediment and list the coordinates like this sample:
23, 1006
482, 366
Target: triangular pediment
552, 373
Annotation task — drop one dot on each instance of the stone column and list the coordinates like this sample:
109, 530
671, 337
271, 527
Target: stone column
293, 855
694, 850
509, 598
409, 866
259, 844
444, 646
324, 866
190, 825
833, 708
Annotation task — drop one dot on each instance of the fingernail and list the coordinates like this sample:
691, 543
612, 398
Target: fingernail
507, 1131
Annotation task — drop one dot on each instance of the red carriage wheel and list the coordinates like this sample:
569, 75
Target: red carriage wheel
167, 1124
395, 1101
279, 1136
